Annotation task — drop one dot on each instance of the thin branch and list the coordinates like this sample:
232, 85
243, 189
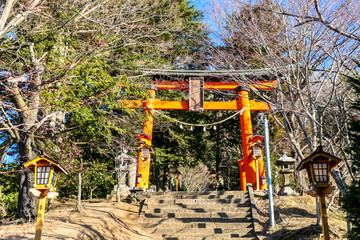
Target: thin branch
319, 19
331, 27
17, 19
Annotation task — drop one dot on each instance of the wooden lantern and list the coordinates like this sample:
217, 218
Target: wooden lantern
177, 174
318, 166
46, 172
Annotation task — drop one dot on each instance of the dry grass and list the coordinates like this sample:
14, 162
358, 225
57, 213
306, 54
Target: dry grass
103, 219
100, 219
296, 219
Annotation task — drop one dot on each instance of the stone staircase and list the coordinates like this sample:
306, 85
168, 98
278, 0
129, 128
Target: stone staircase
198, 215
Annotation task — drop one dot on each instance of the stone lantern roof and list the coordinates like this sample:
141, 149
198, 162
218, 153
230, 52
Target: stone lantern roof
285, 160
286, 164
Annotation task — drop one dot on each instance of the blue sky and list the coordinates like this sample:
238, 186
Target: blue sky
205, 7
200, 3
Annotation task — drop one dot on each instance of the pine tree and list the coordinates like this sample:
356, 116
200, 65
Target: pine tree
64, 65
351, 201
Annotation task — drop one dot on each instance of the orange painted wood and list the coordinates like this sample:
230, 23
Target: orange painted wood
184, 105
143, 165
171, 105
246, 134
222, 86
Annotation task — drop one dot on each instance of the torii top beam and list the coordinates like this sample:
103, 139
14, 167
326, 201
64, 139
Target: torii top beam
223, 80
254, 79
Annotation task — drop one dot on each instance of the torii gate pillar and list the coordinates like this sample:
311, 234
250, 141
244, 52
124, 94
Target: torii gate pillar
247, 165
145, 140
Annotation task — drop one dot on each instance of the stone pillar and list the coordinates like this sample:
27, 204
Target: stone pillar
286, 189
132, 172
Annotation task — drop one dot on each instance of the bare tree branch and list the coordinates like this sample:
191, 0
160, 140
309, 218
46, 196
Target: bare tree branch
15, 21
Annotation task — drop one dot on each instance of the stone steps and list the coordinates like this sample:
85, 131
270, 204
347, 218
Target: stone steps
185, 209
210, 205
185, 216
198, 225
198, 201
159, 221
217, 237
202, 231
195, 195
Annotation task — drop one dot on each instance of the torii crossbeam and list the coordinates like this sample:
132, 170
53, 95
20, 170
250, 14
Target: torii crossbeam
196, 82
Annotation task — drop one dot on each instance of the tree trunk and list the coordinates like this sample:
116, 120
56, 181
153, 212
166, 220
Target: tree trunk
78, 201
165, 178
218, 154
50, 201
26, 208
228, 167
91, 193
300, 179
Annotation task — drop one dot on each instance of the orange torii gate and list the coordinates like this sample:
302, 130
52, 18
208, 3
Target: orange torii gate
196, 86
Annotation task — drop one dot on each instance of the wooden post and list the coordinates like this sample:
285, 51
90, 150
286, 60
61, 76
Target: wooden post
143, 166
196, 94
40, 216
78, 200
263, 183
246, 134
324, 217
242, 173
257, 175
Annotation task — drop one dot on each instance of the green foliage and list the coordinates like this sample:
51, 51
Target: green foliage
351, 201
96, 174
97, 180
90, 58
8, 190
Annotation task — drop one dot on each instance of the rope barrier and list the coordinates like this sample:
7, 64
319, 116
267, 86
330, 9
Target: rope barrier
199, 124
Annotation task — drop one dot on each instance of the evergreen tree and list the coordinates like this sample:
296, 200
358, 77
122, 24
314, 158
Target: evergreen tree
351, 201
63, 71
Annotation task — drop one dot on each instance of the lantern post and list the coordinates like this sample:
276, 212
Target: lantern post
177, 174
143, 166
256, 154
46, 172
318, 166
213, 177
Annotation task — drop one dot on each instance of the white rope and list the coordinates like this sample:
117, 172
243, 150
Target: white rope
199, 124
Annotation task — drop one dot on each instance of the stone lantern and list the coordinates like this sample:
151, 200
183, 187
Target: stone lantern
286, 168
125, 168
